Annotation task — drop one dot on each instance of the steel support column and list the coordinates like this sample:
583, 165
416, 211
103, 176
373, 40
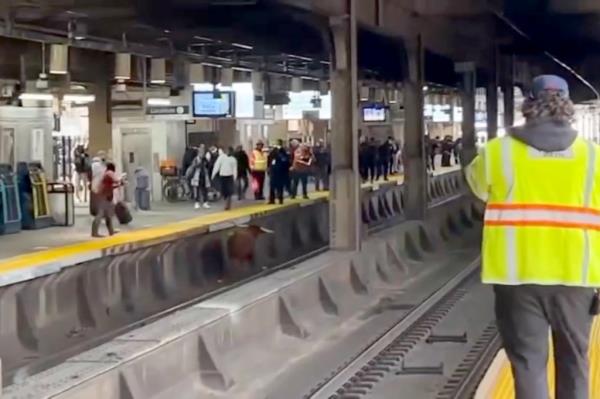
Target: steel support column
345, 220
100, 136
508, 90
492, 97
468, 102
414, 135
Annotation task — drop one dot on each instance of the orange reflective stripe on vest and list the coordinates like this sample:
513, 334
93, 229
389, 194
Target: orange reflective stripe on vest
542, 215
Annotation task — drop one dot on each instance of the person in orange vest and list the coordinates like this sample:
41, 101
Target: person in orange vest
258, 169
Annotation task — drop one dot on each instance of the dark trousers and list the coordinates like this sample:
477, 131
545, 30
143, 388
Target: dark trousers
383, 170
227, 183
364, 171
200, 193
242, 186
372, 171
259, 178
524, 315
276, 187
105, 210
300, 178
432, 161
322, 179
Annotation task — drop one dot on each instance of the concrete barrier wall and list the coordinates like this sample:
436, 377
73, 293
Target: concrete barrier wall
47, 319
235, 344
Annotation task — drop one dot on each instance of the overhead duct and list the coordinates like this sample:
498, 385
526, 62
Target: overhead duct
59, 59
227, 77
197, 74
297, 85
122, 66
158, 71
323, 87
258, 83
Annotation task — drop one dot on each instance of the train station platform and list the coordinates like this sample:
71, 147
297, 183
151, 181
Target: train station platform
498, 381
142, 318
31, 254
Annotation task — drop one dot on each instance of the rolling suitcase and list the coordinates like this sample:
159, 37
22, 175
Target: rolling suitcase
122, 212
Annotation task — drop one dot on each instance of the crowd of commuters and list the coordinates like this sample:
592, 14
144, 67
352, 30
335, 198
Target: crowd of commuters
213, 172
233, 171
378, 159
447, 147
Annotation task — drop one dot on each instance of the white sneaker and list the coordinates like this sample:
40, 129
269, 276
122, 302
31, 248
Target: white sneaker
206, 205
197, 205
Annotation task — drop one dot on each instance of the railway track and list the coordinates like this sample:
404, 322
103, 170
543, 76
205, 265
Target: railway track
12, 373
439, 350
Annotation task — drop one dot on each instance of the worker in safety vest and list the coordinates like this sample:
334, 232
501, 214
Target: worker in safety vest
258, 169
541, 240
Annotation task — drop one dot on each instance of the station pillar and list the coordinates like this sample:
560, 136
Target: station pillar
100, 124
415, 170
508, 91
344, 203
469, 82
491, 96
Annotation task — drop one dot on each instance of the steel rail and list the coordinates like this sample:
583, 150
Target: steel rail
331, 387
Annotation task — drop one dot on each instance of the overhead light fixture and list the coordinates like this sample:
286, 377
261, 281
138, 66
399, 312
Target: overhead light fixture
365, 92
227, 77
158, 71
242, 46
78, 30
122, 66
392, 96
159, 101
59, 59
79, 98
297, 84
197, 74
36, 96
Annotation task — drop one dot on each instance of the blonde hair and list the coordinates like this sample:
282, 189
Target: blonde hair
549, 105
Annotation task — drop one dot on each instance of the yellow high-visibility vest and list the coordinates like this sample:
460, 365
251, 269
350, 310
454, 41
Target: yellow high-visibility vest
542, 220
258, 162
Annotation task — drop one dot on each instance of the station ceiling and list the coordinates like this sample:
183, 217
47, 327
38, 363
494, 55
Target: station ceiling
290, 35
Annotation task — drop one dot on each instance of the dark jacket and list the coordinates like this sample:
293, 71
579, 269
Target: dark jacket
385, 152
243, 163
188, 158
198, 164
279, 163
371, 154
322, 158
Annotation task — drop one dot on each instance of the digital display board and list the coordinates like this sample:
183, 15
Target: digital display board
374, 114
210, 104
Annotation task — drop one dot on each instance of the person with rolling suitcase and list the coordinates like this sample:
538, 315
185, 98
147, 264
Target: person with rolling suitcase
105, 209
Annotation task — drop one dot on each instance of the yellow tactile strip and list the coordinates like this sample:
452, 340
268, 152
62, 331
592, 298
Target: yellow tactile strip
148, 236
142, 235
498, 382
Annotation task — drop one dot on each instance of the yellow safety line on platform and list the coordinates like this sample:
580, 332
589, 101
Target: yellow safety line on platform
141, 235
500, 386
152, 233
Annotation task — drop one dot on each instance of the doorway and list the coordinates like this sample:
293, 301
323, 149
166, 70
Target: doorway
136, 152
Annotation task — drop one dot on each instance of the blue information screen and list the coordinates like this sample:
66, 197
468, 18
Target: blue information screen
207, 104
374, 114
